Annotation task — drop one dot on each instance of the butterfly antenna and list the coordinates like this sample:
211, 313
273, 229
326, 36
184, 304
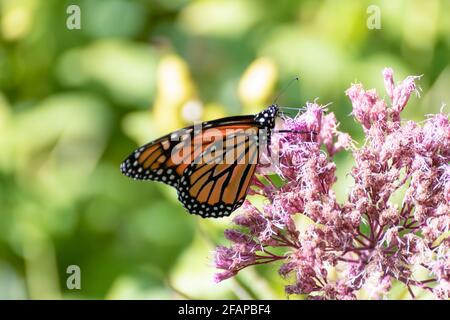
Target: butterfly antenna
292, 108
296, 132
284, 89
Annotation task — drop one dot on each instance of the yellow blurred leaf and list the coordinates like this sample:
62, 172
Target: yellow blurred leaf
16, 18
257, 84
219, 17
174, 89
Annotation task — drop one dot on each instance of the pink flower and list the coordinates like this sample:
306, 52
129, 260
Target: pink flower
370, 239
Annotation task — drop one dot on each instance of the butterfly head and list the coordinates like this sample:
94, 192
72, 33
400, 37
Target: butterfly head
266, 118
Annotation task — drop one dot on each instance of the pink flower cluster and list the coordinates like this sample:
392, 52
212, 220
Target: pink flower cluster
373, 238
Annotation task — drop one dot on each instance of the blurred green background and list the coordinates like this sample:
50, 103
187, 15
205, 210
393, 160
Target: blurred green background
75, 103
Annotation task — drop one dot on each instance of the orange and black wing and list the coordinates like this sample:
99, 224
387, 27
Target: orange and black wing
211, 166
153, 161
216, 182
166, 158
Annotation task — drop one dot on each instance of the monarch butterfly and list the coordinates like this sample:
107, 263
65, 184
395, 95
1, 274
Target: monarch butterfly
211, 165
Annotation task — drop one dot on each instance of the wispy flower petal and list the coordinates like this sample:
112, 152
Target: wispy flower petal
371, 239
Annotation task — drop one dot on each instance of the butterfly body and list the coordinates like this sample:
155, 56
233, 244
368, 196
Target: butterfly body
211, 164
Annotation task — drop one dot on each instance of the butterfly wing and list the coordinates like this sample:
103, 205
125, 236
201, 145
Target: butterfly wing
216, 182
166, 158
210, 166
153, 161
